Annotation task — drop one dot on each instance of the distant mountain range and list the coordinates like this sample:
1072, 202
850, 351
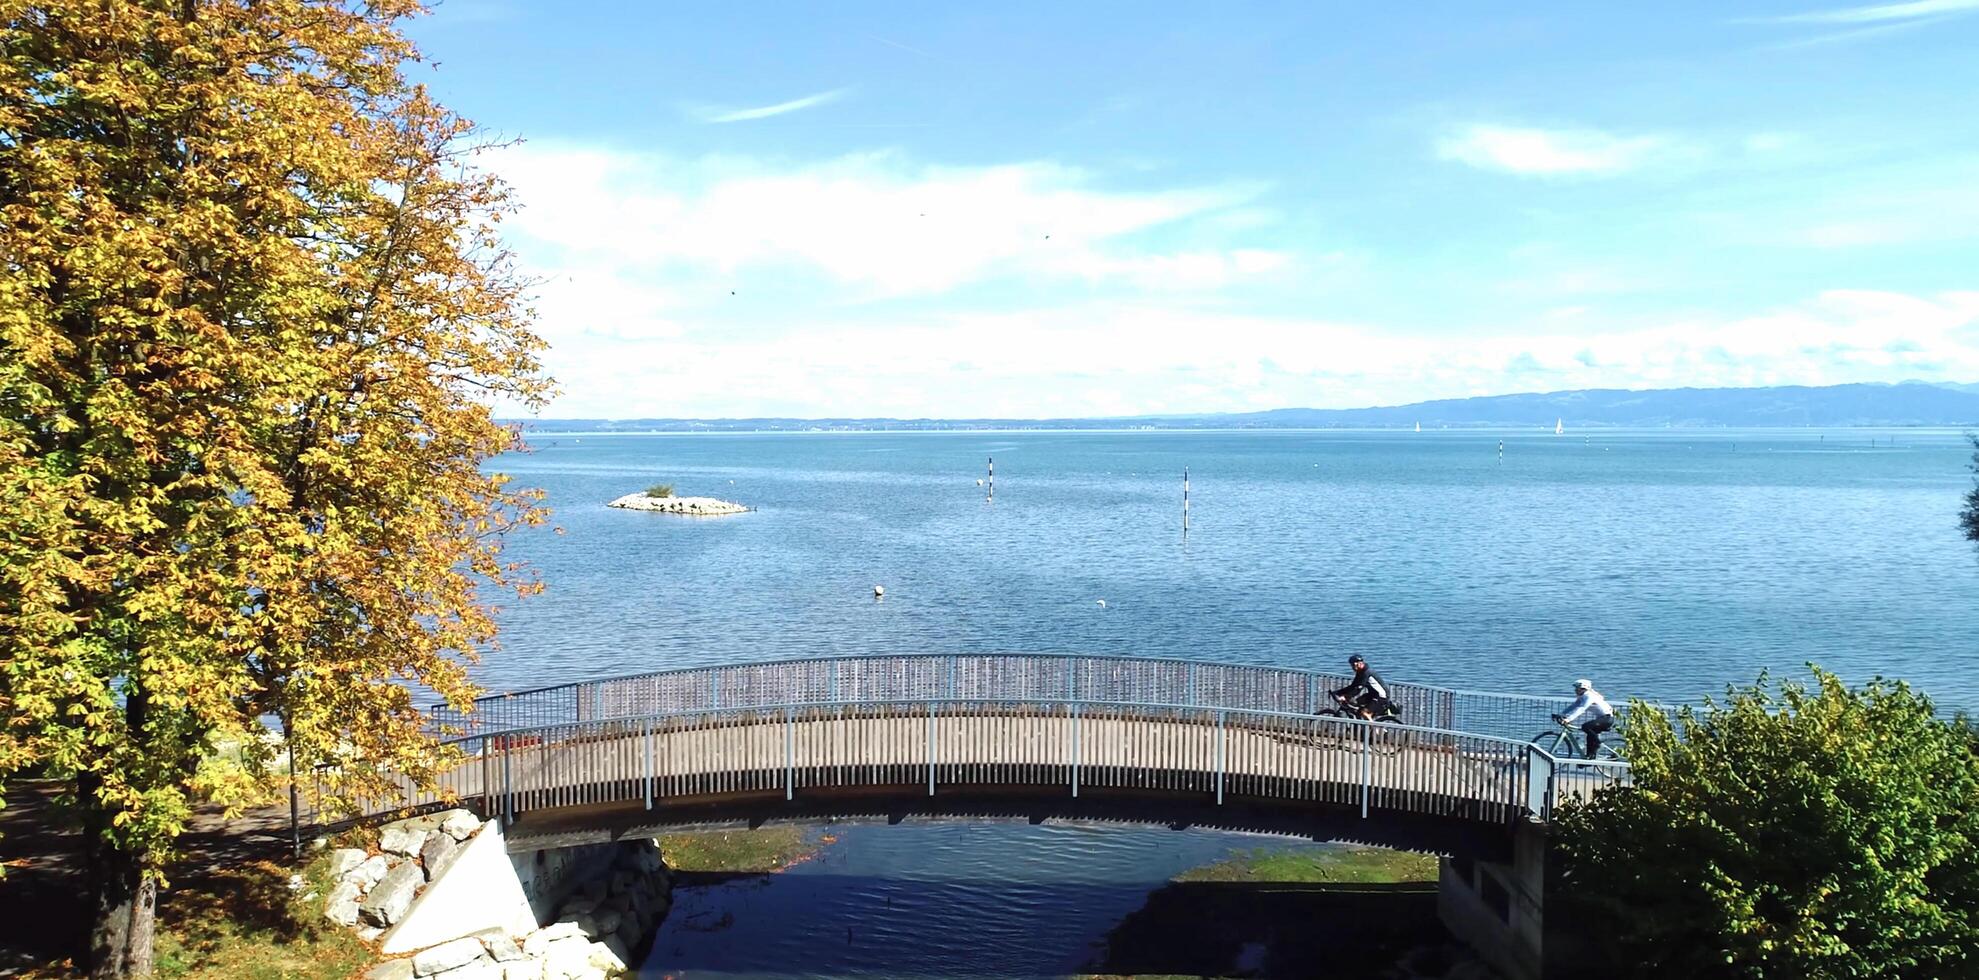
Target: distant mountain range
1910, 403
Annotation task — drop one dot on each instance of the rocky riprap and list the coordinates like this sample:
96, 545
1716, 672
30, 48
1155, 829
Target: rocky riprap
373, 891
594, 935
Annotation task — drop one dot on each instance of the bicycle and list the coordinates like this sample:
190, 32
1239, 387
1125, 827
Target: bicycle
1380, 742
1569, 742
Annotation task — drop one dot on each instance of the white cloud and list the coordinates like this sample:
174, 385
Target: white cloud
717, 285
873, 222
1554, 152
1870, 21
1126, 358
1882, 12
876, 285
720, 114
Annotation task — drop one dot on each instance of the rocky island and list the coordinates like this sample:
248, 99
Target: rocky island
669, 504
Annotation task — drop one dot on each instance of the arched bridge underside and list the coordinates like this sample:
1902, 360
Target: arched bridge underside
605, 773
1019, 804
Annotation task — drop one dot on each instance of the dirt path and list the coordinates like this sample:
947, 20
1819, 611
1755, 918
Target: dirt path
44, 915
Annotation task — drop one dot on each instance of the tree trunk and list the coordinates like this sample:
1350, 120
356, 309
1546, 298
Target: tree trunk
126, 901
114, 891
144, 926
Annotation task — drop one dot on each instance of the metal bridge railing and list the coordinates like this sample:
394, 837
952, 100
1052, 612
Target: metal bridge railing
972, 740
1001, 676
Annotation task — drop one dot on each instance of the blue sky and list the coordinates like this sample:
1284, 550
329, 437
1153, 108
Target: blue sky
1089, 209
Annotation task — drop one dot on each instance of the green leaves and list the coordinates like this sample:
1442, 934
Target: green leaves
1788, 831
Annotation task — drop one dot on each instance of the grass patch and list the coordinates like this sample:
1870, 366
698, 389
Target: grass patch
758, 851
1352, 866
245, 923
660, 490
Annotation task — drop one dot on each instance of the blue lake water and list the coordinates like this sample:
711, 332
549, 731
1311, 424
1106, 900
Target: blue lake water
1662, 564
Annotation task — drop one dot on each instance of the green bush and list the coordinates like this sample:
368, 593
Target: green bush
660, 490
1785, 833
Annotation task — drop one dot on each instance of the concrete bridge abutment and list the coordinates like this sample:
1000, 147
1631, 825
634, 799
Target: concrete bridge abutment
1498, 908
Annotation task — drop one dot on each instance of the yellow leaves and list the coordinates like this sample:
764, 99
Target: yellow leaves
242, 337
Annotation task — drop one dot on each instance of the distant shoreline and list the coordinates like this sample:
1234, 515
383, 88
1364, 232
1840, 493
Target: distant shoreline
1908, 404
1524, 430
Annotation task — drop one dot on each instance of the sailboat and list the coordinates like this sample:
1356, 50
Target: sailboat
1558, 428
1418, 426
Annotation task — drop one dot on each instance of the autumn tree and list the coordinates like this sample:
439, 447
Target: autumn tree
1785, 832
253, 318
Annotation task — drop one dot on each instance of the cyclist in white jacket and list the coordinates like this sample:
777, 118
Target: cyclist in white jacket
1591, 706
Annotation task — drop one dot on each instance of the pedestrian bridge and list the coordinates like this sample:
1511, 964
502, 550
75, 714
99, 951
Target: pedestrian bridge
1005, 735
1035, 737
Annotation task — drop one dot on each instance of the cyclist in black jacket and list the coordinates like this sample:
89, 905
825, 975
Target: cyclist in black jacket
1368, 694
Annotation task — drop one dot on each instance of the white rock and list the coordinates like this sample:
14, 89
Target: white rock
537, 942
477, 970
501, 948
567, 958
460, 824
372, 871
437, 853
523, 970
690, 506
400, 839
343, 861
390, 970
341, 906
419, 825
343, 913
388, 901
447, 956
608, 956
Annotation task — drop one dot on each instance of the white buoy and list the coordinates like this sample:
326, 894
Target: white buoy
879, 591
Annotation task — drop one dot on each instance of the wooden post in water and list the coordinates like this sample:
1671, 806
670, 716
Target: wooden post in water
1185, 500
992, 478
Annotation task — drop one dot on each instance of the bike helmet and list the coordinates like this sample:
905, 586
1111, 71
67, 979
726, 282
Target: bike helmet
1356, 660
1582, 685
